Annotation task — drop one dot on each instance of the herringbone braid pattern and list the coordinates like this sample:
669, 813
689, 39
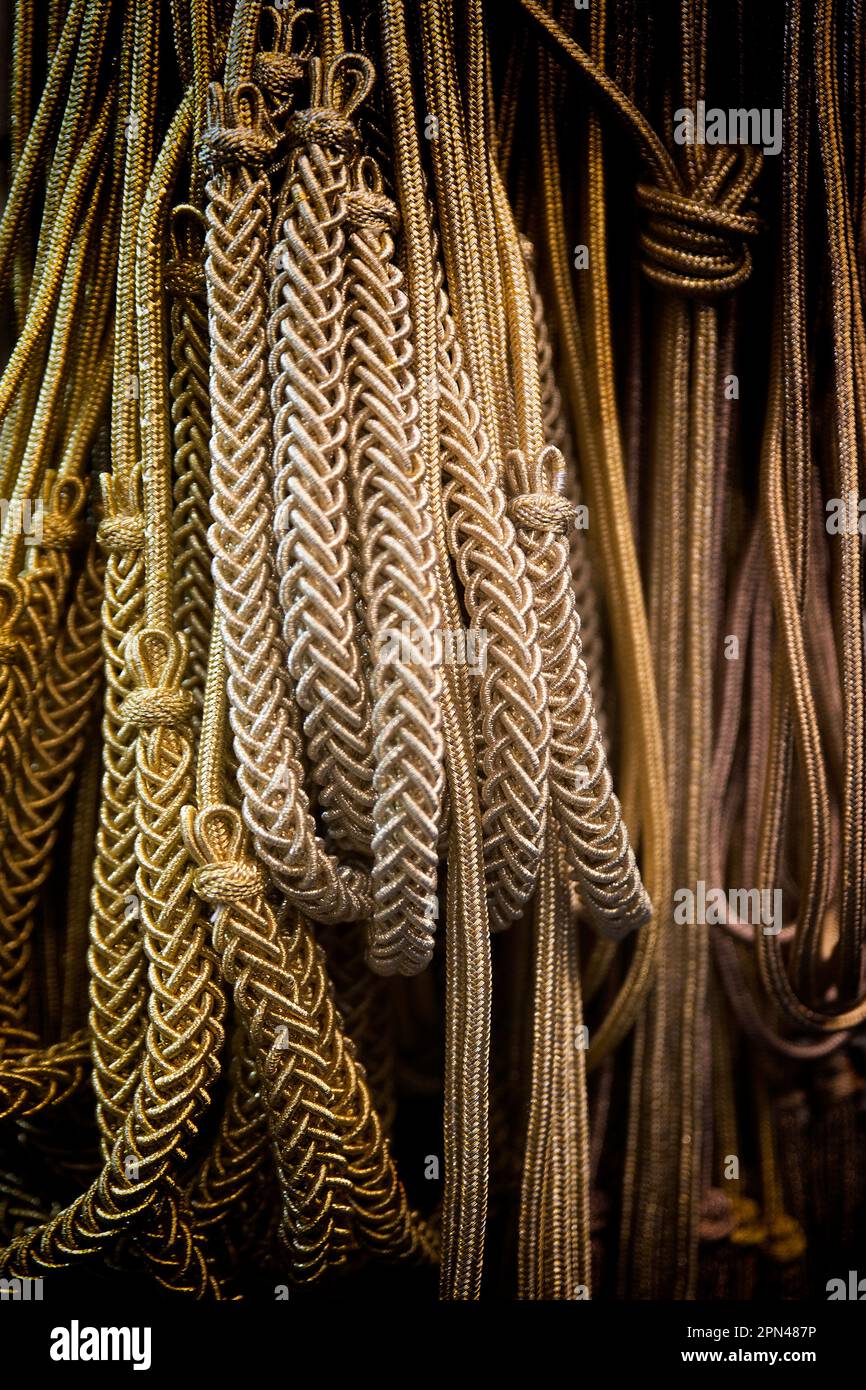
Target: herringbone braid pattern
279, 1008
32, 615
365, 1004
116, 963
57, 726
225, 1187
584, 802
31, 1081
184, 1033
181, 1059
514, 721
190, 413
558, 433
311, 515
398, 582
267, 744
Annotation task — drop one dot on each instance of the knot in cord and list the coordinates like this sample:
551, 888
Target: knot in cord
154, 707
278, 74
695, 242
231, 881
367, 209
239, 132
184, 279
8, 647
323, 125
119, 534
226, 147
532, 505
541, 511
60, 532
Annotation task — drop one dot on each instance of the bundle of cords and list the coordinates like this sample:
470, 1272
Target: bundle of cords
432, 797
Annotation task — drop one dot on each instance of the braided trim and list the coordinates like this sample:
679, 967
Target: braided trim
190, 414
266, 740
57, 730
311, 513
398, 582
115, 959
35, 1080
514, 722
584, 803
557, 433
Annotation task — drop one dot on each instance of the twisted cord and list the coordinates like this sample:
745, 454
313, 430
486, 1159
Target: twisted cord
696, 243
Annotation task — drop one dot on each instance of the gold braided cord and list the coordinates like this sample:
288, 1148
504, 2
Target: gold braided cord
432, 649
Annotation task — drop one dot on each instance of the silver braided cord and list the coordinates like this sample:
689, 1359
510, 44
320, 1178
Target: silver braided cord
311, 515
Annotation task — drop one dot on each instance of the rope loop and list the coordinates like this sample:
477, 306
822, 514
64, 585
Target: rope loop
239, 132
214, 840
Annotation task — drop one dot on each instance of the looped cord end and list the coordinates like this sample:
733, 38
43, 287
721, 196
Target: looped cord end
152, 707
366, 210
541, 511
322, 125
530, 505
214, 841
239, 132
156, 662
184, 276
60, 532
233, 881
336, 92
278, 75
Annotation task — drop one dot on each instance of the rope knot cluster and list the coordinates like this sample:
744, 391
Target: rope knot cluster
696, 242
239, 132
